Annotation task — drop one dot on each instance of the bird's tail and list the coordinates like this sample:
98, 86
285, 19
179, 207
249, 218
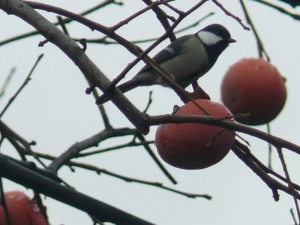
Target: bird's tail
127, 86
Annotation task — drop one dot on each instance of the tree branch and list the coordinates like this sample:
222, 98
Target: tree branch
75, 53
52, 189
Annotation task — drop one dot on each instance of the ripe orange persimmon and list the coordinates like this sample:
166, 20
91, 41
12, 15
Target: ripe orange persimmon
194, 145
22, 210
253, 86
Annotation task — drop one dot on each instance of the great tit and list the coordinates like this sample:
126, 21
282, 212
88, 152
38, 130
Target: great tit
185, 60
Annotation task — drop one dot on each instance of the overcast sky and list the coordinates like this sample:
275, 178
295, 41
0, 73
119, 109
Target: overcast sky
54, 111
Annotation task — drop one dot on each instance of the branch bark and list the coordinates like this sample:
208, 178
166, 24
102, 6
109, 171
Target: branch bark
30, 179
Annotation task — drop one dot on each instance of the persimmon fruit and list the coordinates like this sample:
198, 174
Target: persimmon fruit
22, 210
194, 145
253, 86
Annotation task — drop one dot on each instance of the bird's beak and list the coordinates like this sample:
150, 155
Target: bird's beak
231, 40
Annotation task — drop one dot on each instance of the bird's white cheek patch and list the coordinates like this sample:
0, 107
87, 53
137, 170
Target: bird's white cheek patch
209, 38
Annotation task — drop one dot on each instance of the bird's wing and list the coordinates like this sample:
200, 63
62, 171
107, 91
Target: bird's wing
169, 52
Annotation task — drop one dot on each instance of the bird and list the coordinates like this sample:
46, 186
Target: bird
184, 60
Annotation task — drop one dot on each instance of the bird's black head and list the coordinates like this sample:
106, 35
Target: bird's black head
215, 39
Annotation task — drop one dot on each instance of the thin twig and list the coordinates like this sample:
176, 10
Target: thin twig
293, 216
116, 147
179, 12
16, 139
63, 25
67, 20
74, 150
269, 181
127, 179
101, 108
289, 182
104, 40
155, 159
230, 14
22, 86
6, 82
163, 18
280, 9
270, 148
149, 102
130, 18
262, 166
261, 49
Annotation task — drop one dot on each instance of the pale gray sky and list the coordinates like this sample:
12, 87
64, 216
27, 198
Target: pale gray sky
54, 111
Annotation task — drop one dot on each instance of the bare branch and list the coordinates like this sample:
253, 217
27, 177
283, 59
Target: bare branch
125, 178
108, 42
74, 150
275, 141
260, 46
67, 20
7, 81
282, 10
230, 14
162, 17
270, 182
75, 53
52, 189
22, 86
294, 193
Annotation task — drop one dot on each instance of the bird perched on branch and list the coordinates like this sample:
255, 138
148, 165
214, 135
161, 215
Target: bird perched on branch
185, 60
